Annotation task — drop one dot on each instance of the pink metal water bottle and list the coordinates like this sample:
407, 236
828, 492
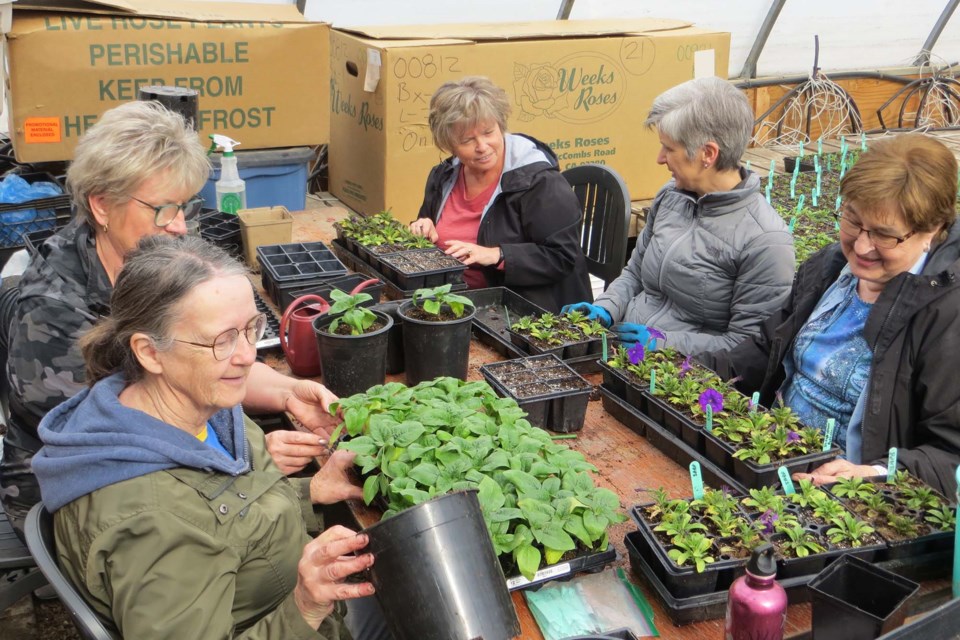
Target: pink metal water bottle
756, 604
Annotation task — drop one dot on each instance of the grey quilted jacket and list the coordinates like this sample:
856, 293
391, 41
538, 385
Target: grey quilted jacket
706, 272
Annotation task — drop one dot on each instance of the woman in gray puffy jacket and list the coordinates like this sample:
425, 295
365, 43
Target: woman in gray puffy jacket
714, 259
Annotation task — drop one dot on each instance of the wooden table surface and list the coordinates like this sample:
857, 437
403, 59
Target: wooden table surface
626, 463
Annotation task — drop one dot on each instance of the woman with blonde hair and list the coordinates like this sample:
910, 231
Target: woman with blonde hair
499, 203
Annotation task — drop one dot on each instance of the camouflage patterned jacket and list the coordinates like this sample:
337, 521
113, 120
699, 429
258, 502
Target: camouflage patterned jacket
62, 294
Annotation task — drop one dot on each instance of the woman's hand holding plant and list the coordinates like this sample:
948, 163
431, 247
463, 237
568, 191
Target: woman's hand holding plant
424, 227
333, 482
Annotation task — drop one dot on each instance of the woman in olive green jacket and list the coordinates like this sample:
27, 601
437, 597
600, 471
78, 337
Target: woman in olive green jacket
170, 517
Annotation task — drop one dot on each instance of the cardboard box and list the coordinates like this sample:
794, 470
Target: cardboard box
583, 87
261, 71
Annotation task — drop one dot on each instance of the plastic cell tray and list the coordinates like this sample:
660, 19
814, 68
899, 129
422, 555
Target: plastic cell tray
41, 214
271, 337
401, 269
390, 289
296, 261
564, 570
562, 410
322, 288
497, 307
669, 444
223, 230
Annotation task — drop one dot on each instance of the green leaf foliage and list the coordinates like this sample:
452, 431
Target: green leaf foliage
538, 498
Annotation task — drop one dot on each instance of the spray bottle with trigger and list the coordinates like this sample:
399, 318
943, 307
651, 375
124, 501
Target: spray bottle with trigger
231, 189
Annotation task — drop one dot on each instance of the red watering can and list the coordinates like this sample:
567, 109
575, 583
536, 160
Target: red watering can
296, 331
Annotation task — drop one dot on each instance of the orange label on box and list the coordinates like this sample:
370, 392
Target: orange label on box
38, 130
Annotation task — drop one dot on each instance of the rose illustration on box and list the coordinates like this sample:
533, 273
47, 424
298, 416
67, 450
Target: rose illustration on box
537, 90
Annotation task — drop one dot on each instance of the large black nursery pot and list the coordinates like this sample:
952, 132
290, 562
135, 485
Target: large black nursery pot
855, 600
352, 364
435, 349
437, 575
395, 359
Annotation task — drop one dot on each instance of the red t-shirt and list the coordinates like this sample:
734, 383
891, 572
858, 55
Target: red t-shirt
460, 220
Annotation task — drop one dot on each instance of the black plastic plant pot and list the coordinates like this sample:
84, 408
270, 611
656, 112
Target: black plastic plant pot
352, 364
854, 600
436, 573
718, 452
435, 349
395, 355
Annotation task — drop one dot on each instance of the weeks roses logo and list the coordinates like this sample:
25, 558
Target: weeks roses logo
583, 87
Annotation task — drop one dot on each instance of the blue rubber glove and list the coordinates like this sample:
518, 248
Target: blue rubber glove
630, 334
592, 311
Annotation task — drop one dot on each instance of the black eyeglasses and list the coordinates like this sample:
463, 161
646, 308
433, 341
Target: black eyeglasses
879, 239
164, 214
225, 344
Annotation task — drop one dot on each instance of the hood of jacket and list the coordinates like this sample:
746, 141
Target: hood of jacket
91, 441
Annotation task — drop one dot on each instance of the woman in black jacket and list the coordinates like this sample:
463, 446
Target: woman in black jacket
500, 204
871, 330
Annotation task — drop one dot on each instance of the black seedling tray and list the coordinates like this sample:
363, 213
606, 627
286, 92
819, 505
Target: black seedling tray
669, 444
322, 288
223, 230
494, 306
399, 270
934, 542
271, 337
755, 475
390, 289
562, 411
592, 561
709, 606
296, 262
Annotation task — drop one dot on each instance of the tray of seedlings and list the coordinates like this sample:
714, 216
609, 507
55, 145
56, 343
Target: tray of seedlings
691, 550
745, 440
553, 395
371, 237
422, 268
914, 518
498, 308
391, 289
663, 440
545, 515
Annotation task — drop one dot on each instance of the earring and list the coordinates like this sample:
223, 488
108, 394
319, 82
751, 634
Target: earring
706, 164
926, 247
105, 228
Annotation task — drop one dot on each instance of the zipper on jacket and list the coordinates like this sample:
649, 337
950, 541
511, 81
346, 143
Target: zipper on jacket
867, 409
663, 262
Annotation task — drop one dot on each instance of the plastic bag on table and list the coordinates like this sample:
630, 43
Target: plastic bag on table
591, 604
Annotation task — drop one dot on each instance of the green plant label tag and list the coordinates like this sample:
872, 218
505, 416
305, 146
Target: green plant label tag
786, 481
801, 150
892, 464
653, 381
793, 223
828, 434
819, 146
696, 480
754, 401
800, 202
603, 340
748, 165
709, 425
863, 141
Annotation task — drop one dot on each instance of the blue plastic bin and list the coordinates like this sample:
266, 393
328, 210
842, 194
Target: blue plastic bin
273, 177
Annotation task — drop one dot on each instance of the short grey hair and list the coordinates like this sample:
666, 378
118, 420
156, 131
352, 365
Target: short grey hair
128, 145
155, 278
463, 104
704, 110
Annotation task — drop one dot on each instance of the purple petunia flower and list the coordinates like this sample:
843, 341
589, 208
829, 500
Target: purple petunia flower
713, 399
767, 520
635, 353
793, 436
685, 366
655, 334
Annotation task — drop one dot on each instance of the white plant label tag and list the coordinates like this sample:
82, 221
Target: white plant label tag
546, 573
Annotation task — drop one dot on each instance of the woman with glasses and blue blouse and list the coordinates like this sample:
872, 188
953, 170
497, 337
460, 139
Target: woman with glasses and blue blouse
135, 173
170, 517
871, 331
